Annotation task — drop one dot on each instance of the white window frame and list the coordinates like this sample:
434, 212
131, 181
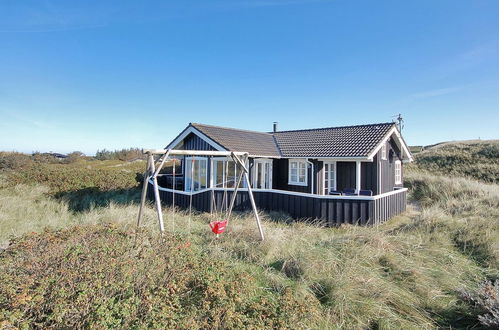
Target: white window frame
383, 151
188, 171
331, 164
255, 174
398, 172
299, 162
214, 169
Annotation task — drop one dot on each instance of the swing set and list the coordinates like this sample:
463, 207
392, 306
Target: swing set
217, 226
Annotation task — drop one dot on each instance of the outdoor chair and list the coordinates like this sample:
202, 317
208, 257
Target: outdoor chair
349, 192
335, 192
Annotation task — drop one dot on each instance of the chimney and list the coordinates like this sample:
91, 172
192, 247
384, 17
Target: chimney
275, 127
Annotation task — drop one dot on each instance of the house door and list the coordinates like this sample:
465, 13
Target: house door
262, 175
329, 177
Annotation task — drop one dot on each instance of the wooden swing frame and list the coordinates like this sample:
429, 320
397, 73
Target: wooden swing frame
152, 172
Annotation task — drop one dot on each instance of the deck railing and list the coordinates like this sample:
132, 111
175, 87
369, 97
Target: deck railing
333, 210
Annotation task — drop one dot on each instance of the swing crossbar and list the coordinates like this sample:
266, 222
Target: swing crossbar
195, 152
152, 173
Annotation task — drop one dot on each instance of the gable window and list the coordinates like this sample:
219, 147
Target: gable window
383, 151
297, 174
398, 172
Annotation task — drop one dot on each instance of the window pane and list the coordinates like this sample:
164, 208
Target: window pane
231, 174
219, 171
203, 173
258, 175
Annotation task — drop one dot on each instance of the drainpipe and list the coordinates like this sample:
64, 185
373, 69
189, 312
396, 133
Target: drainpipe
313, 175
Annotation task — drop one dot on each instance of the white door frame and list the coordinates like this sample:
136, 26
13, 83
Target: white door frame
266, 177
331, 164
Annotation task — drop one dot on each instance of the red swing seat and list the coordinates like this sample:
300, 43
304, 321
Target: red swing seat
218, 227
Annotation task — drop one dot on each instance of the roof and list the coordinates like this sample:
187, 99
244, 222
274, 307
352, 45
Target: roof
358, 141
255, 143
347, 141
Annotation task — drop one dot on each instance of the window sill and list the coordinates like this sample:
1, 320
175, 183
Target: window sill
298, 184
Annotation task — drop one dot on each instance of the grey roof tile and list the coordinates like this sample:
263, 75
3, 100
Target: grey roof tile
256, 143
347, 141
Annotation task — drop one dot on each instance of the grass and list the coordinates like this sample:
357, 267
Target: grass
405, 273
475, 159
72, 262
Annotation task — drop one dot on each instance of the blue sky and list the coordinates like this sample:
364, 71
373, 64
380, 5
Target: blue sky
112, 74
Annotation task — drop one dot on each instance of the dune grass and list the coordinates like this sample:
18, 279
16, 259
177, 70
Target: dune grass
475, 159
73, 262
406, 273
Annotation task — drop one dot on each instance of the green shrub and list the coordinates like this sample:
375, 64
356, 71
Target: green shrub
123, 154
93, 276
14, 160
64, 177
478, 160
74, 156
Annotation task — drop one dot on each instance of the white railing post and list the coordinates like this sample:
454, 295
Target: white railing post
357, 176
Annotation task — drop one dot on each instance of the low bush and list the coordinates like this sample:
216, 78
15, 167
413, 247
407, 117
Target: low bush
93, 276
64, 177
486, 300
14, 160
123, 154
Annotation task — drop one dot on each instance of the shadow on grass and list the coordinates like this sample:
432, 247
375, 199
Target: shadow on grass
82, 200
455, 316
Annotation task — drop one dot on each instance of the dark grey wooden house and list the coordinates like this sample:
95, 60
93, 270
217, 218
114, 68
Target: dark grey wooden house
351, 174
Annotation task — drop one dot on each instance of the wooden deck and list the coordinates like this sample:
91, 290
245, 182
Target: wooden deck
333, 210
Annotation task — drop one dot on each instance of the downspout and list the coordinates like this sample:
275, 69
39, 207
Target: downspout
313, 175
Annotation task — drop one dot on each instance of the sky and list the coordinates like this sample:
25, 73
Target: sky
116, 74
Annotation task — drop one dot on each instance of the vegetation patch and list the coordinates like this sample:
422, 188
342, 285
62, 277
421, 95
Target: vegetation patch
475, 159
422, 269
94, 276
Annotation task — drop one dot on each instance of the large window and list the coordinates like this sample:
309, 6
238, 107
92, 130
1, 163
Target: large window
196, 174
224, 173
329, 177
297, 172
262, 174
398, 172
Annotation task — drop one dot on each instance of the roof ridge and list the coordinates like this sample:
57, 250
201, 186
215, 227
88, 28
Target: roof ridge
231, 128
277, 145
333, 127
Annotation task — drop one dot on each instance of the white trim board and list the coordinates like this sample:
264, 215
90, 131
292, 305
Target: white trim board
368, 198
401, 143
191, 129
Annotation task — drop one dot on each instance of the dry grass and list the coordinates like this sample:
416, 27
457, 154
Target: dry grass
403, 274
475, 159
406, 273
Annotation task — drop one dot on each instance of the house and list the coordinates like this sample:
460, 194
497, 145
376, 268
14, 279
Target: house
350, 174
